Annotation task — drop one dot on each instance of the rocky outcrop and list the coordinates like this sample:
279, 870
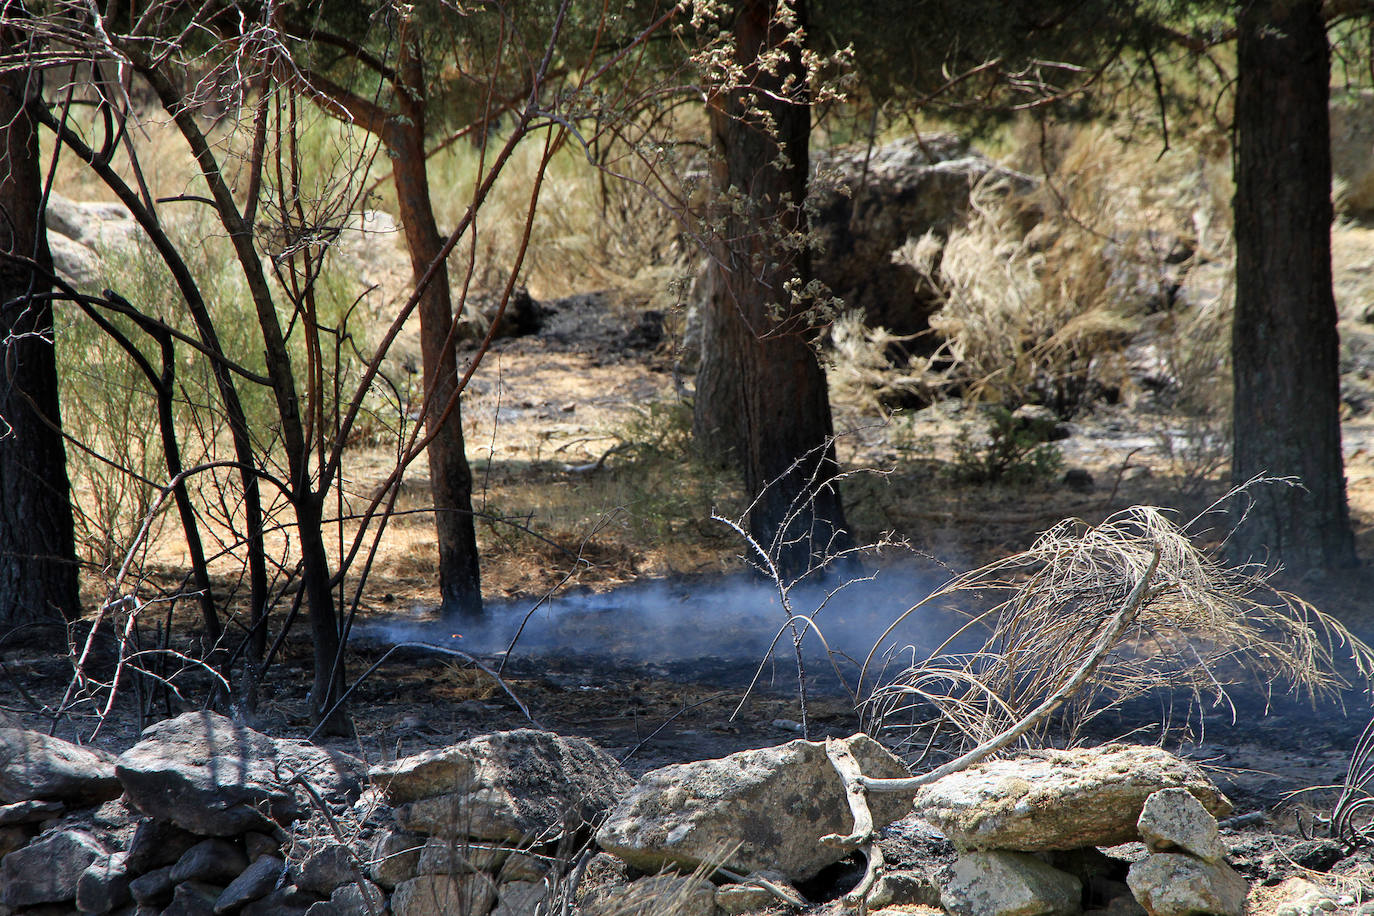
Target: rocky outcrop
214, 777
754, 810
880, 198
1059, 799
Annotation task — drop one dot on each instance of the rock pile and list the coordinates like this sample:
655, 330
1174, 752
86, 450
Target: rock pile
1028, 830
206, 816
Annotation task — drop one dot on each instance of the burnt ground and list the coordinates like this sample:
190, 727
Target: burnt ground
559, 408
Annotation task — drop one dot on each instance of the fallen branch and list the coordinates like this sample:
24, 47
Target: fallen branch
857, 786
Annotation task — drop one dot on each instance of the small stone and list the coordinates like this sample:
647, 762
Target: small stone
104, 884
1010, 884
48, 869
1172, 884
520, 898
904, 888
1174, 819
441, 895
284, 901
681, 896
156, 843
29, 812
395, 858
153, 888
212, 860
193, 898
325, 869
255, 882
256, 845
352, 900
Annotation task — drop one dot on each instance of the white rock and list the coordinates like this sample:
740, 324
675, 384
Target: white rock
1173, 884
1174, 819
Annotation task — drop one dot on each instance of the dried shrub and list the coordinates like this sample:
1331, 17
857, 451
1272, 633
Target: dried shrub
1197, 629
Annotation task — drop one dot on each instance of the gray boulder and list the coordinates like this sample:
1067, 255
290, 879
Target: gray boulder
896, 191
507, 786
1059, 799
214, 777
36, 766
48, 869
1174, 819
755, 810
1010, 884
193, 898
358, 898
1173, 884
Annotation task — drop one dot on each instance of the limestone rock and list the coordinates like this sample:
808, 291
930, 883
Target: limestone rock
253, 883
104, 884
74, 262
1010, 884
442, 895
681, 896
215, 777
1057, 799
1173, 884
771, 806
509, 786
395, 858
1174, 819
36, 766
48, 869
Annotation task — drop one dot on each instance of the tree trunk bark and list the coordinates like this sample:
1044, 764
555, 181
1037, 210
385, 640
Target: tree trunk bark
38, 571
762, 402
460, 583
1284, 342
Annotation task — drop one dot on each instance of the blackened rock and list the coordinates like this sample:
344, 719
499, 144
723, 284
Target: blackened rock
212, 860
48, 869
215, 777
34, 765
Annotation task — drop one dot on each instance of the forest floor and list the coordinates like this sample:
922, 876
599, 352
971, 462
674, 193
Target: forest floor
655, 633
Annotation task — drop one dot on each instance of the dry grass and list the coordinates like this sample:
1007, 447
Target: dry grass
1200, 628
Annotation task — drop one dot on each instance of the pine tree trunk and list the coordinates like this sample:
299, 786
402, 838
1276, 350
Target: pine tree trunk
761, 402
460, 583
38, 572
1284, 343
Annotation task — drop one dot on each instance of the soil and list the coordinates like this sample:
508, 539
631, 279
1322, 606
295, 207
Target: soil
549, 415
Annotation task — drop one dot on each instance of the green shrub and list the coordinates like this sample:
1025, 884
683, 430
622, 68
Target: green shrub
1015, 450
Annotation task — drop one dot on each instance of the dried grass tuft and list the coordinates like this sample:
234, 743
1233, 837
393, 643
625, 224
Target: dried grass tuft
1200, 629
